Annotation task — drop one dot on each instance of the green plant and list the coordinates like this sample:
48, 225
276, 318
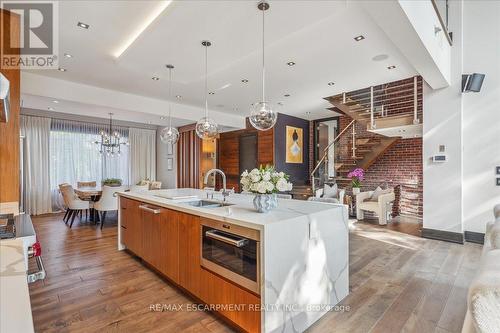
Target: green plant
112, 182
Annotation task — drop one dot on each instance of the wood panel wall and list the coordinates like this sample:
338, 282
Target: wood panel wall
188, 158
9, 131
229, 153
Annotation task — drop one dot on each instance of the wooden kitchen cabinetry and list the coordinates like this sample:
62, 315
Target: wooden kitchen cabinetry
170, 241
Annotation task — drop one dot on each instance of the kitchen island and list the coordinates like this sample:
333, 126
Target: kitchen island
279, 271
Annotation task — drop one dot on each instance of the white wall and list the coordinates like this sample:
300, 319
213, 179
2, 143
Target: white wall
167, 178
481, 113
443, 126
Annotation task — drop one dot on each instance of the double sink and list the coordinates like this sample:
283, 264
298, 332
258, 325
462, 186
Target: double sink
207, 203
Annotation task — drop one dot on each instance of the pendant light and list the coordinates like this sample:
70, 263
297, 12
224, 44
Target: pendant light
206, 128
169, 134
262, 116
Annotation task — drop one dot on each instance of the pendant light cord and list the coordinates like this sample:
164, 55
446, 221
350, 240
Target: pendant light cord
263, 55
206, 81
170, 98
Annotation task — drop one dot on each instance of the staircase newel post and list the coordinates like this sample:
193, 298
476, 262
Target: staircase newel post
354, 140
372, 118
415, 101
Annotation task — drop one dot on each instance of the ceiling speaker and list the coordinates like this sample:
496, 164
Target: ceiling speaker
472, 82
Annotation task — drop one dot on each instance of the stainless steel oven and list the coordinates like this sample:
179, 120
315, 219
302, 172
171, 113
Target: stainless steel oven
232, 251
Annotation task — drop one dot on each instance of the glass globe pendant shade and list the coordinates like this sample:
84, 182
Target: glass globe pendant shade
207, 129
169, 135
263, 117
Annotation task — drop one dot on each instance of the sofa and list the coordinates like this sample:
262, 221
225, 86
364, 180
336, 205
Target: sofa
483, 299
320, 196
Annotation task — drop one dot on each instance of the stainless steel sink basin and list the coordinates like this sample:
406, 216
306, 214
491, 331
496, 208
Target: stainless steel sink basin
207, 204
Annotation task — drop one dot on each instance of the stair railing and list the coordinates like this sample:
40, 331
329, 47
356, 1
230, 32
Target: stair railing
324, 158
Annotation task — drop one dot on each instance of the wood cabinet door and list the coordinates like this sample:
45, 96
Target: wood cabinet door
189, 252
151, 234
133, 233
169, 244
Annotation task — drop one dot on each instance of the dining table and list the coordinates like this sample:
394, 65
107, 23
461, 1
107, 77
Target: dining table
90, 193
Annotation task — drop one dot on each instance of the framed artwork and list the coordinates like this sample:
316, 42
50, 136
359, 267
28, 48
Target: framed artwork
170, 149
170, 164
294, 145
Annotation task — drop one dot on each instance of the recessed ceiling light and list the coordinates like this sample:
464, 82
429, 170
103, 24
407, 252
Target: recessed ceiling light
331, 83
391, 67
67, 55
211, 93
83, 25
162, 117
308, 112
286, 95
290, 63
244, 81
60, 69
50, 108
155, 78
178, 96
55, 101
380, 57
280, 103
359, 38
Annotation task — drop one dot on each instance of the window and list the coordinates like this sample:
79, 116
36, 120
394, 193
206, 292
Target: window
75, 157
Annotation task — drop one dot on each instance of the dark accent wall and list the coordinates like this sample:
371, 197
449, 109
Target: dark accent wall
299, 173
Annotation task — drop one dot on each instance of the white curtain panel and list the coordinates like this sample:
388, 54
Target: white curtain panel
142, 154
74, 156
36, 131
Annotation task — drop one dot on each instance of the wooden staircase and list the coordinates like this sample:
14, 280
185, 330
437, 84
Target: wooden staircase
368, 147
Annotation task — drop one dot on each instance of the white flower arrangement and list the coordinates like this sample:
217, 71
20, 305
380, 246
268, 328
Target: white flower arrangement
265, 180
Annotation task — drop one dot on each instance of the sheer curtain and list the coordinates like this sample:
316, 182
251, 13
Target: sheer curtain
36, 131
142, 154
75, 157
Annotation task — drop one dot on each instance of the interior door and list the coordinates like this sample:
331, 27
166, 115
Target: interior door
248, 152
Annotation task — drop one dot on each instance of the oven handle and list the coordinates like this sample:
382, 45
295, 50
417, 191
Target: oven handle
148, 209
234, 242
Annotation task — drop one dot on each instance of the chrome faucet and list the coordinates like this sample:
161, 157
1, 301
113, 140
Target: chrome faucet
225, 192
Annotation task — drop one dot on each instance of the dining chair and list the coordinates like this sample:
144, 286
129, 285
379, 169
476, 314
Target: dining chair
86, 184
65, 200
108, 201
75, 205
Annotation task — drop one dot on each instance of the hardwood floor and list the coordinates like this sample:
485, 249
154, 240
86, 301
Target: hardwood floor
398, 283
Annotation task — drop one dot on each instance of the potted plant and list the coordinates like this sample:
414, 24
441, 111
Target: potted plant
356, 175
112, 182
265, 182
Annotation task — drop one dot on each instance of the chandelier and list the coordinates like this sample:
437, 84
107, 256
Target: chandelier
111, 141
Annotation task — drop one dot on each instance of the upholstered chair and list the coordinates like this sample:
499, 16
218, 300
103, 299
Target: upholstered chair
155, 186
333, 195
380, 204
108, 201
75, 205
139, 188
65, 200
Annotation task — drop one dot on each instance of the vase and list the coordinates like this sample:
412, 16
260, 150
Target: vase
263, 203
356, 190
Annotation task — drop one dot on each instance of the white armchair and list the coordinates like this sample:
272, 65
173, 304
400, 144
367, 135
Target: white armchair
382, 206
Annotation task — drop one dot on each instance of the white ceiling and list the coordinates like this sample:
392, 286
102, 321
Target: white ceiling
316, 35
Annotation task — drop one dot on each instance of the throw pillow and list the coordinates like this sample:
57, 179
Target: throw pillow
378, 192
330, 191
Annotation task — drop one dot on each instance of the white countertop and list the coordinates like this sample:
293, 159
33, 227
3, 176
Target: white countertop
240, 212
15, 314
